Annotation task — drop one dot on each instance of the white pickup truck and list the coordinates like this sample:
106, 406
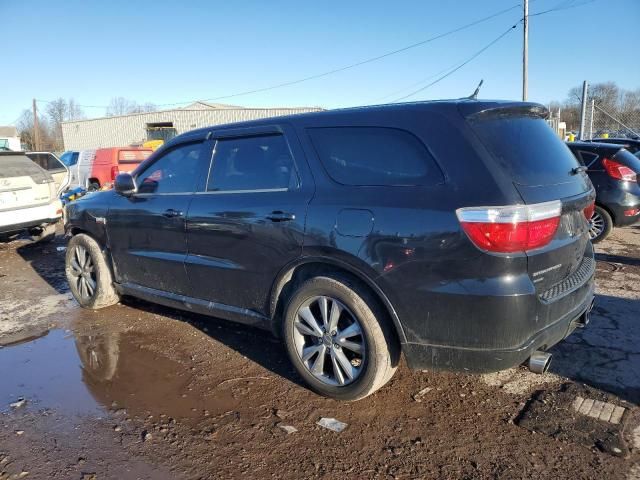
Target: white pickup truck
28, 198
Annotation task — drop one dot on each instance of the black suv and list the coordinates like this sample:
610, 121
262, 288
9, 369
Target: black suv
614, 173
453, 232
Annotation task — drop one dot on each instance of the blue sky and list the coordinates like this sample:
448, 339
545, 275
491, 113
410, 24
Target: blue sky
163, 52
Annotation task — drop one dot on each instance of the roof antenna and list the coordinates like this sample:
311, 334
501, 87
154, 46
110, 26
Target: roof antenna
474, 95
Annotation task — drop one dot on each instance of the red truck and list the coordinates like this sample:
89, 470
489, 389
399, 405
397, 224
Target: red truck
111, 161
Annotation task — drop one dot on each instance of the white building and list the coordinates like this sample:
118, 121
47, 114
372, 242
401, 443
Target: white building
9, 139
136, 128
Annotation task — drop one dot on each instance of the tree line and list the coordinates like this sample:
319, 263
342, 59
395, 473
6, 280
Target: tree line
621, 104
52, 114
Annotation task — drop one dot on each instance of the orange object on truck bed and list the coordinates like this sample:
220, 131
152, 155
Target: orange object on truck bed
111, 161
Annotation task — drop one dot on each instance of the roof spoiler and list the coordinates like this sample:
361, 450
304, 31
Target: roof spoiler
494, 110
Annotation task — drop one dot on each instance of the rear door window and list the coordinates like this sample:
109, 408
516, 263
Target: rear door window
527, 148
257, 163
374, 156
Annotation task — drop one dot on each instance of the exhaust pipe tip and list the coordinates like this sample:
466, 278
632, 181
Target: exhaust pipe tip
539, 361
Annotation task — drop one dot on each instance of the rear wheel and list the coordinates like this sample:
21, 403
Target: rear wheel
93, 186
339, 339
88, 274
600, 225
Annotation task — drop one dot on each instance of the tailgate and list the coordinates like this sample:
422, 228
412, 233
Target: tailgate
22, 192
542, 169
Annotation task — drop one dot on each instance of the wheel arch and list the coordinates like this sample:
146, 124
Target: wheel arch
308, 267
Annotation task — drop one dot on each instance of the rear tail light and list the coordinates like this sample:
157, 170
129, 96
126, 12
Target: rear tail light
588, 211
511, 229
618, 171
632, 212
114, 172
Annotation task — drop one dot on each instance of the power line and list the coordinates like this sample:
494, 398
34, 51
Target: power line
458, 67
562, 6
335, 70
567, 4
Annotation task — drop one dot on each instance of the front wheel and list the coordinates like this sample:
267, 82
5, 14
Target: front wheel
339, 339
600, 225
88, 274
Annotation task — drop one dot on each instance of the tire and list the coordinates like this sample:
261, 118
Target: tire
364, 372
88, 274
93, 187
44, 234
600, 225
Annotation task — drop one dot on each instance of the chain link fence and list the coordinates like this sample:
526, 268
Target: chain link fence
600, 123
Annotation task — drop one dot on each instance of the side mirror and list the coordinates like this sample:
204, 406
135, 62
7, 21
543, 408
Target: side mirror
125, 184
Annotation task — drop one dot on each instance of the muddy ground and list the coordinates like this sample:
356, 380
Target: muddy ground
141, 391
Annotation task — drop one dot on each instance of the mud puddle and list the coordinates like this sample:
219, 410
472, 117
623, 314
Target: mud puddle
95, 374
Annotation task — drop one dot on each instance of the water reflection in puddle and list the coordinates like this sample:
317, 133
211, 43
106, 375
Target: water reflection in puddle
47, 372
87, 374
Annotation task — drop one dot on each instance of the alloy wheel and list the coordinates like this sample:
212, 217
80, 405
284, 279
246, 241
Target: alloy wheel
83, 272
596, 225
329, 341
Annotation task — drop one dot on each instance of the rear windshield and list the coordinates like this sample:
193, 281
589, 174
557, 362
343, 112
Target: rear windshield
12, 166
133, 156
527, 148
372, 156
46, 161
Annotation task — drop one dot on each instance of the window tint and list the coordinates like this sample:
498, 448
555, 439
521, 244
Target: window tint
374, 156
252, 163
526, 148
174, 172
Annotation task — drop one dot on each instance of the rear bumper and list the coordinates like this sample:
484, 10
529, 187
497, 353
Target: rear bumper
23, 218
437, 357
618, 201
494, 350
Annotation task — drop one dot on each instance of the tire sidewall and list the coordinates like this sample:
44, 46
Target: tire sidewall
608, 224
104, 294
349, 296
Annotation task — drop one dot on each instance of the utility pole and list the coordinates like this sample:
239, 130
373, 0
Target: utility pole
593, 111
36, 130
583, 110
525, 52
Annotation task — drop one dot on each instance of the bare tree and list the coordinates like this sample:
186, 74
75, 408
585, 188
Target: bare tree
58, 111
27, 132
621, 103
124, 106
119, 106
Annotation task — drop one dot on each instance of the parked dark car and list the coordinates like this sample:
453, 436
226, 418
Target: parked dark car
453, 232
613, 170
633, 145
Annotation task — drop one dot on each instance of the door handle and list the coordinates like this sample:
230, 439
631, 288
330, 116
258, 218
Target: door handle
280, 216
171, 213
